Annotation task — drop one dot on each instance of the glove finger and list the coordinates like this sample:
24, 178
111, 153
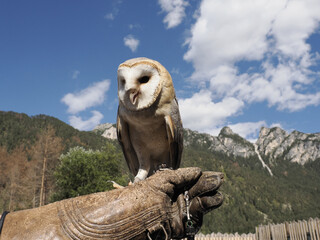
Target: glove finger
206, 203
201, 205
208, 182
173, 182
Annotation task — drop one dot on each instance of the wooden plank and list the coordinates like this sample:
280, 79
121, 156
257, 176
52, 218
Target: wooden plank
305, 229
291, 232
284, 232
299, 230
310, 228
317, 223
317, 228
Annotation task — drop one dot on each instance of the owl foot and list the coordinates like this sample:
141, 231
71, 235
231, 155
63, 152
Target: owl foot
137, 179
163, 167
142, 175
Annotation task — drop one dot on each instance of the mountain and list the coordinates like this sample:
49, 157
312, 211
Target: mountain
273, 144
253, 194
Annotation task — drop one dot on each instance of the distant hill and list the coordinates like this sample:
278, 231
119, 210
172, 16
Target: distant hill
252, 195
20, 129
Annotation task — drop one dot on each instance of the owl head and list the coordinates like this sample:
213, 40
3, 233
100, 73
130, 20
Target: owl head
140, 82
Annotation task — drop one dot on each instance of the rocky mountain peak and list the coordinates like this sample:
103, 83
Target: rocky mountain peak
270, 139
297, 147
226, 131
107, 130
233, 144
264, 131
103, 126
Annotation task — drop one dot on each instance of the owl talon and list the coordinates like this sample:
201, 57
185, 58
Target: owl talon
116, 185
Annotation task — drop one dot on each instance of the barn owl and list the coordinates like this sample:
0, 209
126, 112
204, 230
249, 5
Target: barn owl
149, 126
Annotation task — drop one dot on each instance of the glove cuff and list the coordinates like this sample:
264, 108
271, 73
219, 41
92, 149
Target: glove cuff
77, 223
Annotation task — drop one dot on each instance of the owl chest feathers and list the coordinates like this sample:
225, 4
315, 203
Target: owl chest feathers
146, 123
148, 133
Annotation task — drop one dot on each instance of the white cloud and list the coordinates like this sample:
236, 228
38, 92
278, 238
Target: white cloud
294, 24
91, 96
270, 34
276, 125
109, 16
175, 10
86, 125
134, 26
75, 74
175, 71
115, 10
200, 113
131, 42
230, 30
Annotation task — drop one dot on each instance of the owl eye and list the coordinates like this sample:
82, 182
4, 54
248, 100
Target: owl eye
122, 81
144, 79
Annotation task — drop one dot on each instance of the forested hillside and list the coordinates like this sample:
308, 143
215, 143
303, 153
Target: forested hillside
252, 196
30, 148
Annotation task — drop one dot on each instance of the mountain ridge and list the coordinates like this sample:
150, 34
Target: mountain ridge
272, 144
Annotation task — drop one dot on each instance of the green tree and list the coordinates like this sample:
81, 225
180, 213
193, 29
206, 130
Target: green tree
82, 172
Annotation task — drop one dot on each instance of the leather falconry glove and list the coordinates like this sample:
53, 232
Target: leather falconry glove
155, 208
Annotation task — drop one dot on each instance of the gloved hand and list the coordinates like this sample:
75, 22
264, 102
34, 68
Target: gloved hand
154, 208
192, 186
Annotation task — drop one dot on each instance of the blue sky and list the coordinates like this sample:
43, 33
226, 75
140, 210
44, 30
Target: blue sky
242, 63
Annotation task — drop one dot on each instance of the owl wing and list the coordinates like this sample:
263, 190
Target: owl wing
175, 134
127, 148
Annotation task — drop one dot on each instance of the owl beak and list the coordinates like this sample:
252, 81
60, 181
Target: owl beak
134, 96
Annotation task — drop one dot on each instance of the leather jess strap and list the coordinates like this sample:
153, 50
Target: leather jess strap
3, 216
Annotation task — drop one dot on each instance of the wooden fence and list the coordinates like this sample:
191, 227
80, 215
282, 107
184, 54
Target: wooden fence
300, 230
226, 236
